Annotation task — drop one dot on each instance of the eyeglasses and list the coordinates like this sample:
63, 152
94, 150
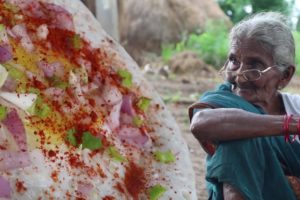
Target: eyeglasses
248, 75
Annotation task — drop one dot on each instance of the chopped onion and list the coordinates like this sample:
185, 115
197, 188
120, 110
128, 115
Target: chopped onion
5, 53
10, 85
84, 189
3, 75
13, 160
111, 95
127, 105
20, 32
51, 69
5, 189
23, 101
113, 119
74, 81
15, 126
133, 136
42, 32
3, 34
60, 17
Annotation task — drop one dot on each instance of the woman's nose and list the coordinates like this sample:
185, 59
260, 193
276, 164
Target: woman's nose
239, 75
239, 78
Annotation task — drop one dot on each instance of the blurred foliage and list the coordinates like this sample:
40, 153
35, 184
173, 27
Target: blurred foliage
297, 44
298, 23
210, 45
236, 10
283, 6
172, 97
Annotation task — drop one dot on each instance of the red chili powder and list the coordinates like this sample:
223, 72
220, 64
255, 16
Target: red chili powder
135, 180
108, 198
119, 188
75, 161
101, 172
54, 176
20, 186
51, 153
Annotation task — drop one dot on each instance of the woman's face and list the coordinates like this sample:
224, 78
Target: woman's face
248, 54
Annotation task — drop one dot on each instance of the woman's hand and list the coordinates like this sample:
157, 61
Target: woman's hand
295, 184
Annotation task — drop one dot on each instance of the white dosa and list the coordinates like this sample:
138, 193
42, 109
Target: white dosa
179, 176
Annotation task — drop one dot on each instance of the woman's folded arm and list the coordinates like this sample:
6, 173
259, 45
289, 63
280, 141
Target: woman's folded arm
223, 124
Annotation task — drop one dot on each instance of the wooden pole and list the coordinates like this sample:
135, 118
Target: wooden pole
91, 5
107, 14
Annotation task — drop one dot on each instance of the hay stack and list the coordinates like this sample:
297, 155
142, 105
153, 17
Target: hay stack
146, 24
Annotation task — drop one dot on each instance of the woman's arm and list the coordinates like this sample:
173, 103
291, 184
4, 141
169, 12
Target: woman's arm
223, 124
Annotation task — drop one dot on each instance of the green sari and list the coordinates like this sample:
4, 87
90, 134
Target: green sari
253, 166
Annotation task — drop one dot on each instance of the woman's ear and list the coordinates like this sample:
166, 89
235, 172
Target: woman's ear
287, 75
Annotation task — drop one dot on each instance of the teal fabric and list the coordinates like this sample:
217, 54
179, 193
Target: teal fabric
253, 166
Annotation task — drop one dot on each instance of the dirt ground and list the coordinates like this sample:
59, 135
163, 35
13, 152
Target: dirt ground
179, 92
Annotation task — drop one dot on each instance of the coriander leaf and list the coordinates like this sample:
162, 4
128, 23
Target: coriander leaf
71, 137
126, 77
115, 154
143, 103
91, 142
3, 112
155, 192
164, 157
137, 121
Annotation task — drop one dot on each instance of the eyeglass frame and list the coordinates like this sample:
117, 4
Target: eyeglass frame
261, 72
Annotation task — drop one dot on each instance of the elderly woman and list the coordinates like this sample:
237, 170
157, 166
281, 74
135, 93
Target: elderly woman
246, 124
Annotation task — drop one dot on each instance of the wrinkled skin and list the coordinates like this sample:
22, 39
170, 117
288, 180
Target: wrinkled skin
248, 54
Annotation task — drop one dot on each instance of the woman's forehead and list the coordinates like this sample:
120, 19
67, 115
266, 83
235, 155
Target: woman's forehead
245, 49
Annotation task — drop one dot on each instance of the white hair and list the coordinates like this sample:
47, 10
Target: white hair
270, 29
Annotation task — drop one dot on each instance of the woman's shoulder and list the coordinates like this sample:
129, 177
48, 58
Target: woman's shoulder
291, 102
291, 97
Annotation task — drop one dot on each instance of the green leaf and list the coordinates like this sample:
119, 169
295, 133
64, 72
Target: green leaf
15, 73
137, 121
2, 27
43, 111
296, 35
164, 157
34, 90
172, 98
157, 191
143, 103
21, 87
115, 154
167, 52
71, 137
40, 108
11, 7
3, 112
61, 85
77, 43
58, 83
90, 142
31, 109
126, 77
